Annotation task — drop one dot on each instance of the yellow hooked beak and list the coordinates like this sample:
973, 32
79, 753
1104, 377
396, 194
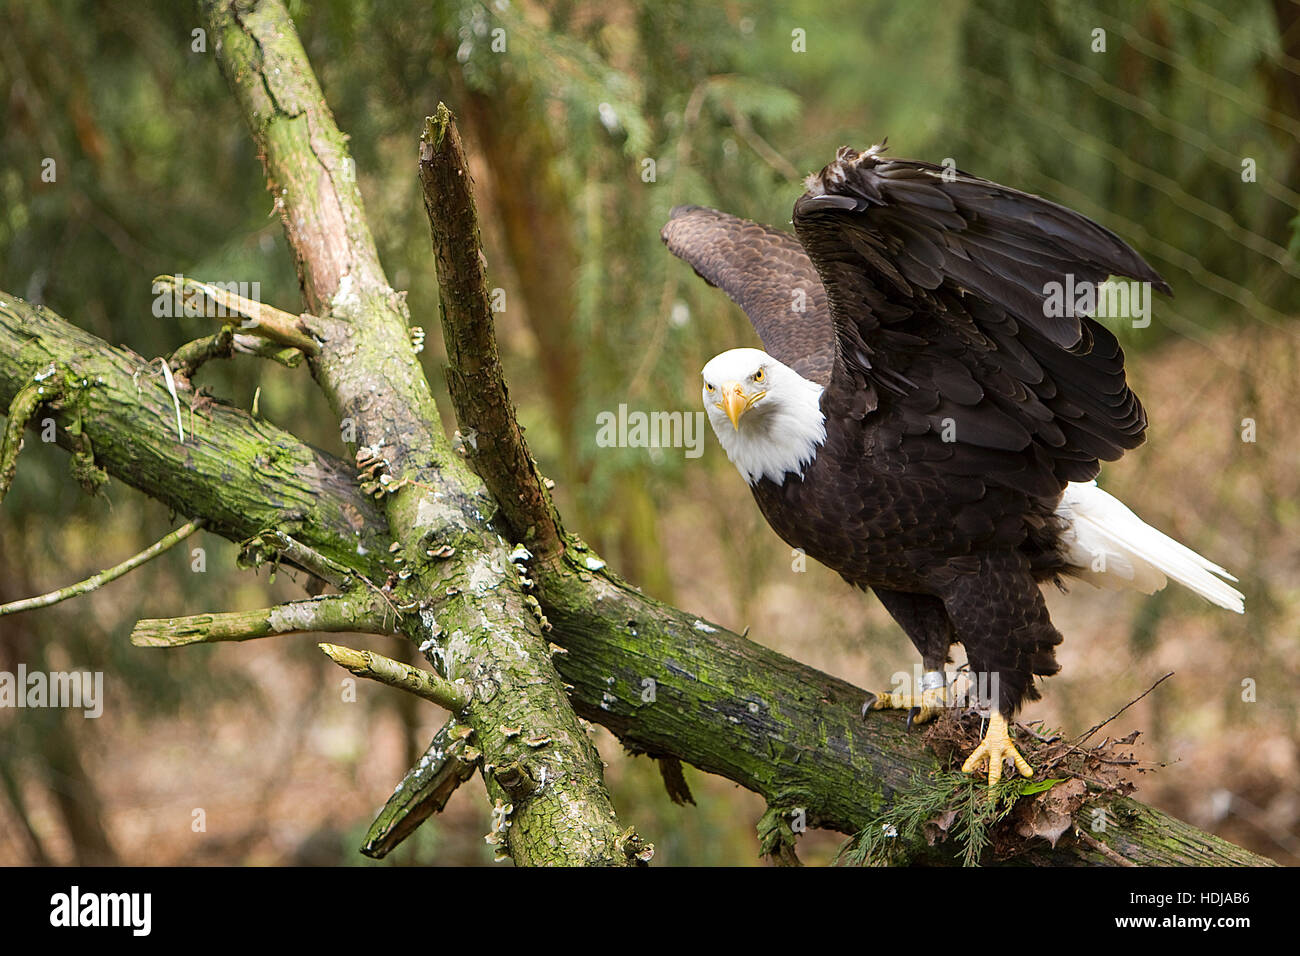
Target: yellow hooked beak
736, 401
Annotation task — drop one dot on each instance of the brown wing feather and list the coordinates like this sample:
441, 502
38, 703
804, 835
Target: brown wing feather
765, 272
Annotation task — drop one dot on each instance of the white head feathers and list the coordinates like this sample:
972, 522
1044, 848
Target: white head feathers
767, 416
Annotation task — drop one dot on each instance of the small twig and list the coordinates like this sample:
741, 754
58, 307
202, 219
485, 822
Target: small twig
1090, 754
263, 348
308, 559
1102, 848
1037, 736
191, 356
1075, 746
334, 612
103, 577
740, 123
1124, 762
258, 319
430, 686
1080, 740
324, 568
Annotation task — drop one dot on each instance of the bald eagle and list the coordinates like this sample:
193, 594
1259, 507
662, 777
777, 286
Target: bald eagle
926, 418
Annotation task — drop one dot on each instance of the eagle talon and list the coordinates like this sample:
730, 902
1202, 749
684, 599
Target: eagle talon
921, 708
995, 748
869, 704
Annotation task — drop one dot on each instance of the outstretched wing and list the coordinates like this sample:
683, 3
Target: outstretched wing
767, 273
938, 288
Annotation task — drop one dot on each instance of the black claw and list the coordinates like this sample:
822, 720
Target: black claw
911, 714
866, 706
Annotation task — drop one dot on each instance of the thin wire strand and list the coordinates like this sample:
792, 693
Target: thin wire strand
1177, 323
1224, 286
1120, 97
1231, 28
1163, 184
1206, 81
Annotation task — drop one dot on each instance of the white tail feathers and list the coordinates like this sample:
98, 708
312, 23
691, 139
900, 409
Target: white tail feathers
1113, 548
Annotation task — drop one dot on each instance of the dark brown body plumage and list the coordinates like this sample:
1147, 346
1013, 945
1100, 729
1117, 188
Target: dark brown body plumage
952, 561
957, 407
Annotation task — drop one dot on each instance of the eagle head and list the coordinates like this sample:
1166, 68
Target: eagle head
767, 416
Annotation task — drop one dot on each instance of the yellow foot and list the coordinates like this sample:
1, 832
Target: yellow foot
995, 748
923, 706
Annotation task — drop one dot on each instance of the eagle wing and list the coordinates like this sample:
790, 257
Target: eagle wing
936, 282
766, 272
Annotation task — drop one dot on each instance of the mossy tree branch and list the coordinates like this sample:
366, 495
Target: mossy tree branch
802, 744
470, 615
474, 377
447, 762
385, 670
239, 472
366, 613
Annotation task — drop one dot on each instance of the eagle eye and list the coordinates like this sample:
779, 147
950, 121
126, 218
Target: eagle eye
709, 386
758, 376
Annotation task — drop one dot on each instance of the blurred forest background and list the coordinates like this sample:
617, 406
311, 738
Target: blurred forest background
156, 174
